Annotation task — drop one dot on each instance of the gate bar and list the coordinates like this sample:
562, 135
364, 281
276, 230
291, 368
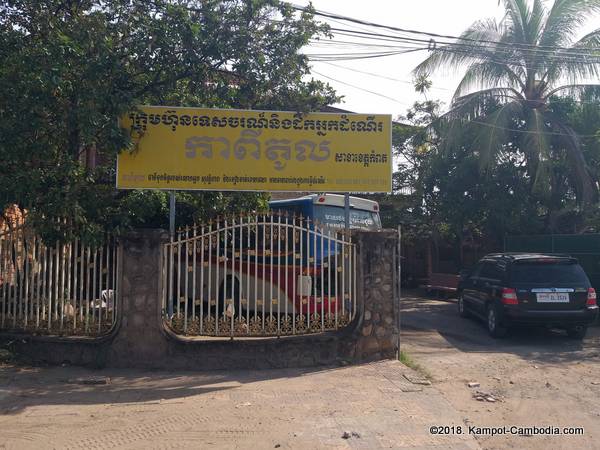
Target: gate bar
172, 214
347, 211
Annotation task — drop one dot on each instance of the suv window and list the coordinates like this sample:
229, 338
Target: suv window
491, 271
475, 271
568, 272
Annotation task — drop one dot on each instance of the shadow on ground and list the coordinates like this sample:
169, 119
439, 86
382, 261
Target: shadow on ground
24, 387
420, 316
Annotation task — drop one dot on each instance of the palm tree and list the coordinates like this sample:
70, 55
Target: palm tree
514, 68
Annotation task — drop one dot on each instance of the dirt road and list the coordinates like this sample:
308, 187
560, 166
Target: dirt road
370, 406
538, 377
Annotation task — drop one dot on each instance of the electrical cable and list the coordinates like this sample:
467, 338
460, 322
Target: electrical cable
425, 33
361, 88
434, 45
380, 76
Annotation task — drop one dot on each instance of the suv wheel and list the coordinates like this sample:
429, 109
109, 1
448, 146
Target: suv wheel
462, 312
493, 325
577, 332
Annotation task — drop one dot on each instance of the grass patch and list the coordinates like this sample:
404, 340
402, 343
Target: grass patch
407, 360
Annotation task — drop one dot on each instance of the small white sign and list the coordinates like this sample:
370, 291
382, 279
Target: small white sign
552, 297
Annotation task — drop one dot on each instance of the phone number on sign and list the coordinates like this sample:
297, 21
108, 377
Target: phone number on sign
506, 430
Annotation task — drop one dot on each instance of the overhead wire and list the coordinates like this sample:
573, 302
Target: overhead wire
554, 133
508, 48
361, 88
509, 58
364, 72
437, 45
475, 121
498, 58
503, 48
344, 44
426, 33
352, 56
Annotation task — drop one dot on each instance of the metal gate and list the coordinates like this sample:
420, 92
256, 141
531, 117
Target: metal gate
259, 275
67, 288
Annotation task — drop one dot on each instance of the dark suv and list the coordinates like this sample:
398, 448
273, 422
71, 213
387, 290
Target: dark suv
508, 289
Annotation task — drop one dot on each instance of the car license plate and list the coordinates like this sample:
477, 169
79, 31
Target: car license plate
552, 297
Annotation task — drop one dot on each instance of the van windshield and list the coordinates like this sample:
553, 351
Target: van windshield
333, 216
549, 273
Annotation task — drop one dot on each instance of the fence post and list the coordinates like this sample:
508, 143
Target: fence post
378, 329
140, 341
399, 284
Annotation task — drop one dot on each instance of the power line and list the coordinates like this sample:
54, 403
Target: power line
553, 133
506, 50
380, 76
468, 52
502, 48
556, 99
352, 56
475, 121
492, 55
360, 88
430, 34
345, 44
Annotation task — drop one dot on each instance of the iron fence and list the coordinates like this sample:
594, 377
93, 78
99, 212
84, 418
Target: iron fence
67, 288
259, 275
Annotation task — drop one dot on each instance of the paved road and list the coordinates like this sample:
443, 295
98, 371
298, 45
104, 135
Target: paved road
49, 408
540, 377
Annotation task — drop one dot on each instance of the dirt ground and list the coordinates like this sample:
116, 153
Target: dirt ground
367, 406
538, 377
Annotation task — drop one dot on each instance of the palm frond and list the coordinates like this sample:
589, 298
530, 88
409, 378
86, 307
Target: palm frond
470, 48
536, 144
570, 63
537, 20
572, 89
477, 104
590, 40
518, 14
494, 132
564, 18
585, 184
487, 75
472, 110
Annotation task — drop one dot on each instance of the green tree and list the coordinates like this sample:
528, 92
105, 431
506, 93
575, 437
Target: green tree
451, 202
69, 69
514, 68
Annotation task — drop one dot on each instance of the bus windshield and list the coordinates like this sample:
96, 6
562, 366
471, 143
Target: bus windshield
333, 216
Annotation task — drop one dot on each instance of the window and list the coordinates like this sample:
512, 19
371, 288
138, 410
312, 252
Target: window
491, 271
475, 271
549, 274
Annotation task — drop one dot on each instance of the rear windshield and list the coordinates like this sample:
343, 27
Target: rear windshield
549, 273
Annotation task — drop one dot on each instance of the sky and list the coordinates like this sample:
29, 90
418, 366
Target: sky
449, 17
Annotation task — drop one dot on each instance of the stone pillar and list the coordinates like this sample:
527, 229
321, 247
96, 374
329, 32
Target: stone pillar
378, 329
140, 340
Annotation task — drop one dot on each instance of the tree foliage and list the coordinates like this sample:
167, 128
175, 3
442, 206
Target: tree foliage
444, 196
514, 70
69, 69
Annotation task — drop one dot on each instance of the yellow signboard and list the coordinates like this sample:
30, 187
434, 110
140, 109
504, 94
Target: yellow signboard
243, 150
